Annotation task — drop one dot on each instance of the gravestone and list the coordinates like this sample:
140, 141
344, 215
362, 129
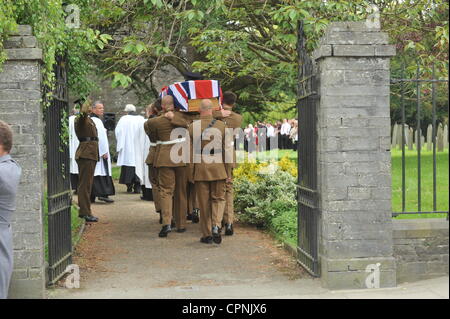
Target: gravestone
445, 136
394, 136
399, 136
406, 130
410, 139
417, 141
440, 138
430, 137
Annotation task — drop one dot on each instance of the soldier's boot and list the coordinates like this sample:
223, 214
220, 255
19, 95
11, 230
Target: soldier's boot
217, 238
165, 230
229, 230
196, 215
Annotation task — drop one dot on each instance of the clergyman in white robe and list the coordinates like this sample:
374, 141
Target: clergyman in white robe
147, 192
73, 145
130, 149
103, 185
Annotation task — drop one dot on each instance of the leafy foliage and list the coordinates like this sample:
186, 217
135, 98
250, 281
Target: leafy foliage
261, 193
48, 20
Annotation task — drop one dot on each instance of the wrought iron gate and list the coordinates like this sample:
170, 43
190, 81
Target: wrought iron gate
308, 213
58, 179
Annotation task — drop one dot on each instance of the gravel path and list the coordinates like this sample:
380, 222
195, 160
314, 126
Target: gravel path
122, 256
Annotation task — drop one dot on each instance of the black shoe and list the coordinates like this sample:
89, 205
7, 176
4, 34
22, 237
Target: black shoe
217, 238
189, 217
206, 240
137, 189
129, 188
90, 219
106, 200
181, 230
165, 230
195, 216
229, 230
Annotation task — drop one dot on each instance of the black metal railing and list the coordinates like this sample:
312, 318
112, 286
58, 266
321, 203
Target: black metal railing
415, 86
307, 195
59, 196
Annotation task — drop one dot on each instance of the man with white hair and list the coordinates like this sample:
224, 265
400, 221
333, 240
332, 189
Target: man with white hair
130, 136
103, 185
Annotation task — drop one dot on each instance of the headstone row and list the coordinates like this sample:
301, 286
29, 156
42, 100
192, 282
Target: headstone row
412, 137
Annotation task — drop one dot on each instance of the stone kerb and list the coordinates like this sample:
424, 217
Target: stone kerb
354, 155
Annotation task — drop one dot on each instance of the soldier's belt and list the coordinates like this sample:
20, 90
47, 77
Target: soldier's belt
178, 140
88, 139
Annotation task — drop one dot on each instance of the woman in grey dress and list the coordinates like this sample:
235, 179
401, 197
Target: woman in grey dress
9, 182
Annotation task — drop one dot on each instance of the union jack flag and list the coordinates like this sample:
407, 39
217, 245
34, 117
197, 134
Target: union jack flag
190, 90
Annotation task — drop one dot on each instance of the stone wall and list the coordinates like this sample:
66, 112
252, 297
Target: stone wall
420, 248
20, 84
354, 160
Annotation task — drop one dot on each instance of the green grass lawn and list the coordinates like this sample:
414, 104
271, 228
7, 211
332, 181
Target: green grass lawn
115, 170
411, 182
442, 180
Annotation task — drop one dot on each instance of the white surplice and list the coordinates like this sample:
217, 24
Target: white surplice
103, 148
73, 145
130, 136
146, 182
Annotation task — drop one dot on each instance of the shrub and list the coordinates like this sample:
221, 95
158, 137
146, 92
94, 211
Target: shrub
260, 201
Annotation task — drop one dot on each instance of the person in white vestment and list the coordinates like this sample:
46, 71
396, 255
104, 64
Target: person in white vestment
73, 145
147, 191
130, 136
103, 185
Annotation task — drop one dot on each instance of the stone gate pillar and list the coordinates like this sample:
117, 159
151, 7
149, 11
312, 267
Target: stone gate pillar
20, 94
353, 62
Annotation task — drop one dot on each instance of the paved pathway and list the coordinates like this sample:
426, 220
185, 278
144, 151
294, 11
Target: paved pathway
123, 257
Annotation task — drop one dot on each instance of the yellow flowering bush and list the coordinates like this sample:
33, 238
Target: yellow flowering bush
288, 166
249, 171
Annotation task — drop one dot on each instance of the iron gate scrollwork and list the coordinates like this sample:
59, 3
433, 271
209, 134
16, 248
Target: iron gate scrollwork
58, 178
307, 195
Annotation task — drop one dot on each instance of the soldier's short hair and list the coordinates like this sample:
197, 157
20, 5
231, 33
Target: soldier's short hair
229, 98
6, 138
157, 105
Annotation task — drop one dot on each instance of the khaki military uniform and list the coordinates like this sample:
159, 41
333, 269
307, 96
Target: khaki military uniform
87, 157
209, 178
152, 170
171, 176
233, 121
184, 119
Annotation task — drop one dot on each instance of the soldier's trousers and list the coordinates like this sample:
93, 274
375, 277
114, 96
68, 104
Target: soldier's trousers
192, 197
228, 215
153, 176
86, 169
211, 201
172, 191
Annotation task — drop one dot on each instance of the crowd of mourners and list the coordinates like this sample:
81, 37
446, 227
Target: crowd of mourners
282, 135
